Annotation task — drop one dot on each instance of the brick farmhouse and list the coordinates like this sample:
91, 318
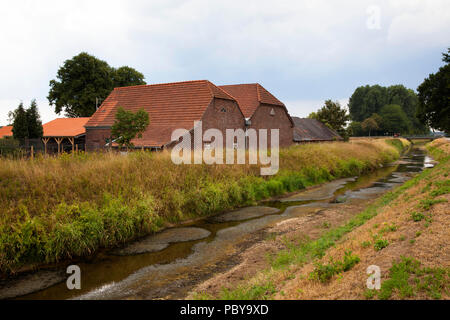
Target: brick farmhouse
262, 110
178, 105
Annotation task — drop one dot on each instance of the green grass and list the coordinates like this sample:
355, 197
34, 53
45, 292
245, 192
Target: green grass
380, 244
92, 201
417, 216
324, 272
426, 204
407, 279
312, 250
254, 292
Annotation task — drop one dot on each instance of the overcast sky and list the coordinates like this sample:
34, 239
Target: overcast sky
302, 51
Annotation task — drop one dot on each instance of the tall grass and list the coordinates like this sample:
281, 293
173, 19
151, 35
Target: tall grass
58, 208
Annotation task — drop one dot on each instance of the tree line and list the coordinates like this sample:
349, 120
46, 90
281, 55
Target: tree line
378, 110
84, 81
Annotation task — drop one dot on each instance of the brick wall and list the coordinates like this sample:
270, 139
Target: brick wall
262, 119
96, 138
222, 115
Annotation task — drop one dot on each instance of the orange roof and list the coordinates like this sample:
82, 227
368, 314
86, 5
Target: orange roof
6, 131
250, 96
65, 127
169, 105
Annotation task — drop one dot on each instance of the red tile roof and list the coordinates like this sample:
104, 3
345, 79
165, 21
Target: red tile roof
65, 127
6, 131
169, 105
250, 96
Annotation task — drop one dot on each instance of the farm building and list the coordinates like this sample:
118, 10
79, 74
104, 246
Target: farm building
262, 110
6, 131
64, 134
312, 130
170, 106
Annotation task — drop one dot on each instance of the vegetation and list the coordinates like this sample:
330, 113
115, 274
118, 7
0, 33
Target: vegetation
102, 200
129, 125
26, 123
407, 278
369, 102
324, 272
333, 116
434, 98
392, 215
84, 79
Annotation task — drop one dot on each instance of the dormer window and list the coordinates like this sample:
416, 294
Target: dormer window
272, 112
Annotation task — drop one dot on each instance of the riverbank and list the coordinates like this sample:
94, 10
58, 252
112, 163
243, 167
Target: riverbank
58, 209
405, 233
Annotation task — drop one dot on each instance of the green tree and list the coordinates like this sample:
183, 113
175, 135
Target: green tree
354, 129
434, 98
395, 119
19, 123
83, 79
334, 116
35, 129
26, 123
129, 125
370, 124
126, 76
368, 100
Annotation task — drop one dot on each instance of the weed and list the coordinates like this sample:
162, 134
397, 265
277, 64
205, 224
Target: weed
380, 244
324, 272
366, 244
417, 216
254, 292
407, 278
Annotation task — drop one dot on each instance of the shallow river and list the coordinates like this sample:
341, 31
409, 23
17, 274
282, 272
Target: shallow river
169, 263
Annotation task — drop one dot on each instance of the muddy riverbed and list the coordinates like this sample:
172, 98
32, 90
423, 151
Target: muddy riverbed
171, 263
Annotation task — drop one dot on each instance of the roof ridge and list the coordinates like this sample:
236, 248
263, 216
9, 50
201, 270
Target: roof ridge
161, 84
221, 90
239, 84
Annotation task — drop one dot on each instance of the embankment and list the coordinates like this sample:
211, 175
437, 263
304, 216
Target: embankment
405, 233
56, 209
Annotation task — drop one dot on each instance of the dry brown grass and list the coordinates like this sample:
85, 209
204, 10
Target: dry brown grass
56, 208
425, 241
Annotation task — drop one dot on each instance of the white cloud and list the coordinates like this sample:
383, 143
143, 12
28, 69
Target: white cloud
302, 108
279, 43
420, 23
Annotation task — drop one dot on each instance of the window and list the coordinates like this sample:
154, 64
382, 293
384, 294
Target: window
223, 110
272, 112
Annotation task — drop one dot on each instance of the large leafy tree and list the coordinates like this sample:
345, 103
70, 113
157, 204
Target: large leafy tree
394, 119
84, 79
334, 116
434, 98
126, 76
371, 124
129, 125
368, 100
